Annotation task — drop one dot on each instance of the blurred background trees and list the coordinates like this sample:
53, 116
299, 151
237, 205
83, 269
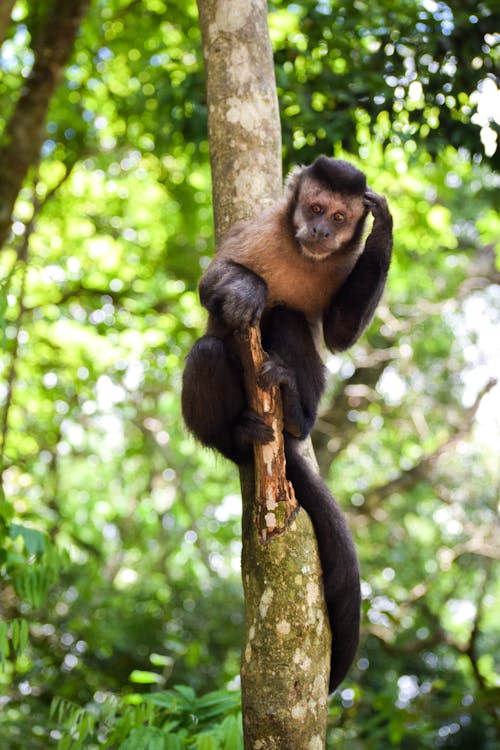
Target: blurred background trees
119, 562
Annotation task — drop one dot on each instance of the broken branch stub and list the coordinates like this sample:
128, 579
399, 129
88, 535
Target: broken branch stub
276, 504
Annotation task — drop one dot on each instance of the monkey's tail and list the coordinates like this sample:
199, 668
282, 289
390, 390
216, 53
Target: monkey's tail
338, 560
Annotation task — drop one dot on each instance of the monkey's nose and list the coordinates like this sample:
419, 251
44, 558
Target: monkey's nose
320, 234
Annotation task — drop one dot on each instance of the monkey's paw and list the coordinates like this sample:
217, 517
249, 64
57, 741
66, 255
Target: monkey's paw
241, 311
252, 429
272, 373
377, 204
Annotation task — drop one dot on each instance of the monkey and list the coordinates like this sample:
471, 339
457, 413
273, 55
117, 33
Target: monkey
301, 271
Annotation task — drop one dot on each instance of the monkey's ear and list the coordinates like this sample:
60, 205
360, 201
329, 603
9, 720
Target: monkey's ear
292, 181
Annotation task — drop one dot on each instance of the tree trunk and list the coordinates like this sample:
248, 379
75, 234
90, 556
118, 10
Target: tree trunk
286, 657
25, 131
5, 12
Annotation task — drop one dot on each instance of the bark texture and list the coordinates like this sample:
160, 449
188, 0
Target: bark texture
243, 116
286, 656
25, 131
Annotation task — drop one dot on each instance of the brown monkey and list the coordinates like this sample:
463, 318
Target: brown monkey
297, 269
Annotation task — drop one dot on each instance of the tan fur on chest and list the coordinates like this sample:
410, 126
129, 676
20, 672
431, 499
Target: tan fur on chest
292, 279
299, 283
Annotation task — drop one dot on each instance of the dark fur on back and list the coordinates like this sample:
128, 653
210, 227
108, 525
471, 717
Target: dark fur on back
337, 175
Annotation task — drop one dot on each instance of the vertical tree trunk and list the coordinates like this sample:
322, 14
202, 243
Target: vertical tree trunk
243, 117
286, 656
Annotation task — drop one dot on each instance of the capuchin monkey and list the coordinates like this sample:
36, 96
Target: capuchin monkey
298, 270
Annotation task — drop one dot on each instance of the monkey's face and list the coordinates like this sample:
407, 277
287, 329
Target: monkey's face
324, 222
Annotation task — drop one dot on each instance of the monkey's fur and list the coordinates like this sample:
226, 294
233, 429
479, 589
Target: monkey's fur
297, 269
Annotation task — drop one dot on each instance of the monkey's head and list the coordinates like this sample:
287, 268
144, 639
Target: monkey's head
326, 207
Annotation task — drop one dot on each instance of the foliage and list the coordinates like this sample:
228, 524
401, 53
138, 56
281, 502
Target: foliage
119, 537
409, 71
168, 720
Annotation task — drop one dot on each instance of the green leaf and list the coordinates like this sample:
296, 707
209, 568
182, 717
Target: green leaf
217, 703
6, 513
4, 642
233, 733
34, 541
144, 677
165, 699
206, 741
14, 633
187, 693
144, 738
23, 635
160, 660
173, 742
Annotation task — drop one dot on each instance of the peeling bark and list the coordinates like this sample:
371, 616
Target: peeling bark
275, 503
286, 657
25, 130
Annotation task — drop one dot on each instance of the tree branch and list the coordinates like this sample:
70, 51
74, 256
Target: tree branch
275, 504
21, 260
25, 130
471, 647
420, 471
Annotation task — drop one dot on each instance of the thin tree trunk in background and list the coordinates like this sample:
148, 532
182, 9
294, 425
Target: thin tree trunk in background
286, 656
25, 131
5, 13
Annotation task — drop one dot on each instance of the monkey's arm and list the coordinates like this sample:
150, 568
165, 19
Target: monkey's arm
353, 306
235, 295
294, 365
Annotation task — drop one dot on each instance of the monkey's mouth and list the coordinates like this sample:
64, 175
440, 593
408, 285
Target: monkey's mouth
314, 250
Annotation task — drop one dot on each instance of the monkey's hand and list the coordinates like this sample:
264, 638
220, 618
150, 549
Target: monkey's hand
234, 294
377, 205
243, 305
252, 429
275, 373
379, 243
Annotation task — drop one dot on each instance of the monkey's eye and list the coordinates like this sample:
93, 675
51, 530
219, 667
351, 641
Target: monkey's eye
338, 216
316, 208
